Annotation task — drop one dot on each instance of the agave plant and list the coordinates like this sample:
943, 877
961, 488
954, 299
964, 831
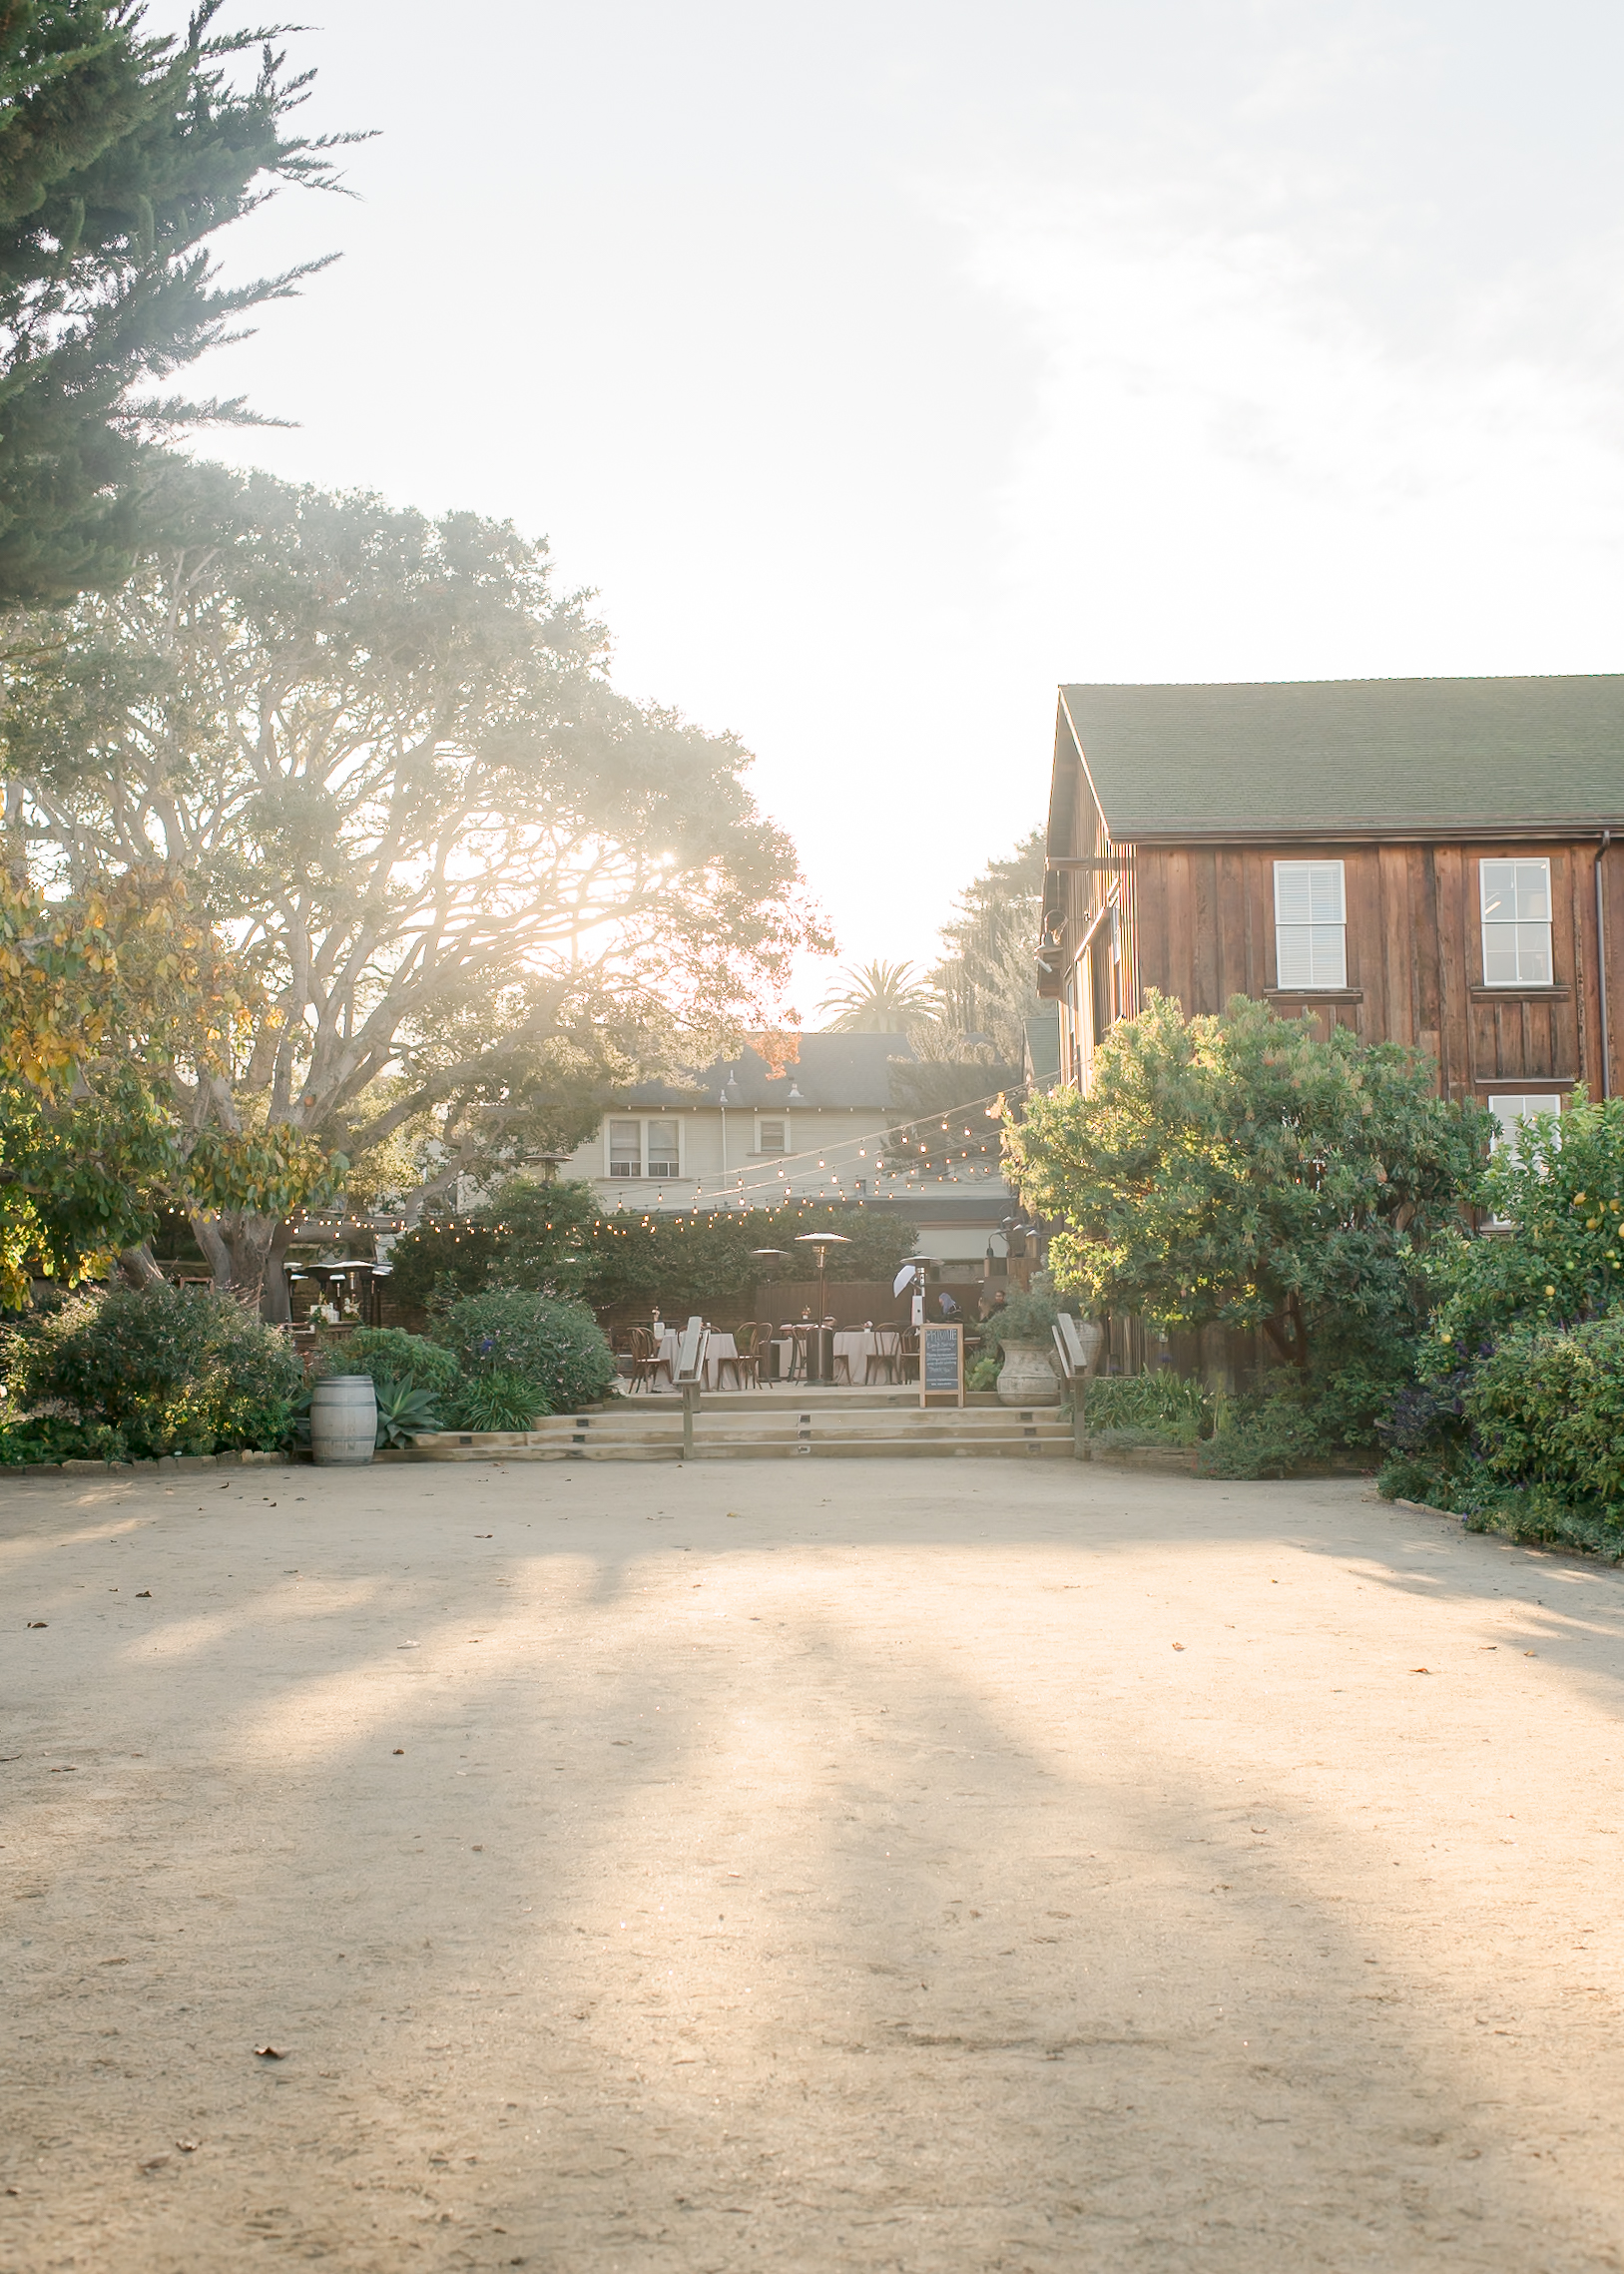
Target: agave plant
500, 1400
404, 1412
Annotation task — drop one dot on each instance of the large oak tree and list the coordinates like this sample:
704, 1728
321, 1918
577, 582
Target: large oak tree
386, 753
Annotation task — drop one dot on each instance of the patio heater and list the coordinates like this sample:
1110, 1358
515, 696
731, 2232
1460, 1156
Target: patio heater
768, 1261
821, 1243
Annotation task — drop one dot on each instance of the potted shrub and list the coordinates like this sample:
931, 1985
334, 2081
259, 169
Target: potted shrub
1025, 1333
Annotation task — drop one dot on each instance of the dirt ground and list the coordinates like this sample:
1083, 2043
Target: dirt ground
915, 1865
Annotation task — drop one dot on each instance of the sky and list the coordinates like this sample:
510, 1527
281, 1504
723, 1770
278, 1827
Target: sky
882, 365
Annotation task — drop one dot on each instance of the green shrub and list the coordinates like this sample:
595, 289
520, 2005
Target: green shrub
552, 1239
47, 1439
1415, 1477
1538, 1519
556, 1344
1560, 1258
499, 1401
1296, 1418
387, 1354
982, 1373
1159, 1408
444, 1260
164, 1370
1547, 1409
1028, 1316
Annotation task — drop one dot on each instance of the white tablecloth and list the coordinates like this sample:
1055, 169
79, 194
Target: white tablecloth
722, 1348
859, 1347
721, 1351
856, 1345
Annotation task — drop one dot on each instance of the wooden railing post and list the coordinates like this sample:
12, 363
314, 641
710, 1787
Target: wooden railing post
1074, 1361
691, 1377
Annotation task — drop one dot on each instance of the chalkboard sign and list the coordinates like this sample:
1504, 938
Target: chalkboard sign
941, 1363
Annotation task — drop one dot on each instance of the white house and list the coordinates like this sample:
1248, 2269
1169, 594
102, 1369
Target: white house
740, 1135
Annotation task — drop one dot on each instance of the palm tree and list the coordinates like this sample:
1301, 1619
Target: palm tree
885, 999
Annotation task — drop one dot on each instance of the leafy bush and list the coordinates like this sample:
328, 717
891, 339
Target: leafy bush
982, 1373
164, 1370
1155, 1407
387, 1354
499, 1401
1245, 1171
1027, 1317
46, 1439
1547, 1409
443, 1261
1514, 1416
1538, 1518
557, 1345
552, 1239
1559, 1257
1295, 1418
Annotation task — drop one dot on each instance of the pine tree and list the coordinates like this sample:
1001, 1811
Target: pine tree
120, 154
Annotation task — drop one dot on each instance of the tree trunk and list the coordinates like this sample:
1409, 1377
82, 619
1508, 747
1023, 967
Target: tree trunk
248, 1241
207, 1232
139, 1267
274, 1305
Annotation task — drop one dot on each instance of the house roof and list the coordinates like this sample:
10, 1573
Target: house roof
833, 1070
1336, 756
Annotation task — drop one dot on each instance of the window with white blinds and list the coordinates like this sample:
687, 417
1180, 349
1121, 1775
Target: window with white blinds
643, 1148
1515, 896
1516, 1114
1310, 926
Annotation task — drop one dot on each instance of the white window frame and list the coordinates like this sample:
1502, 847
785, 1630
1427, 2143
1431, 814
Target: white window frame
776, 1152
1515, 1109
611, 1122
1324, 936
643, 1121
1526, 940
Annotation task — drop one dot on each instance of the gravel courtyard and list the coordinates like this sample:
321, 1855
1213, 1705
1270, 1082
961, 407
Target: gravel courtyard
925, 1865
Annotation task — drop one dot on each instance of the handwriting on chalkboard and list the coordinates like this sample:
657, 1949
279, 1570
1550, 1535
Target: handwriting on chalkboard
941, 1371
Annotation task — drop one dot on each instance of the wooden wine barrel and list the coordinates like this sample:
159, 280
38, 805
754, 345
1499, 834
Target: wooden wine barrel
344, 1419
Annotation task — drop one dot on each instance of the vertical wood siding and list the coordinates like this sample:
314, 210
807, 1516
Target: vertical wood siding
1202, 919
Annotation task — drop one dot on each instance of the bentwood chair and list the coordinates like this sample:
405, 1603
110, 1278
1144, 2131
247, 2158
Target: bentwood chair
885, 1360
647, 1362
747, 1365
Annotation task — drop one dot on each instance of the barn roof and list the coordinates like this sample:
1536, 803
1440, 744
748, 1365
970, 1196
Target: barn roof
1370, 755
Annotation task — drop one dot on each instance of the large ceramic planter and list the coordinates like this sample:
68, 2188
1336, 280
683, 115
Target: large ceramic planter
344, 1421
1027, 1377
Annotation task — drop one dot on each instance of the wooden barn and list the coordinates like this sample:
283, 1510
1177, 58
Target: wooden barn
1427, 860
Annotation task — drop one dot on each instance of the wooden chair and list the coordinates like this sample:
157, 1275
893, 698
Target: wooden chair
886, 1355
747, 1365
646, 1360
910, 1354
